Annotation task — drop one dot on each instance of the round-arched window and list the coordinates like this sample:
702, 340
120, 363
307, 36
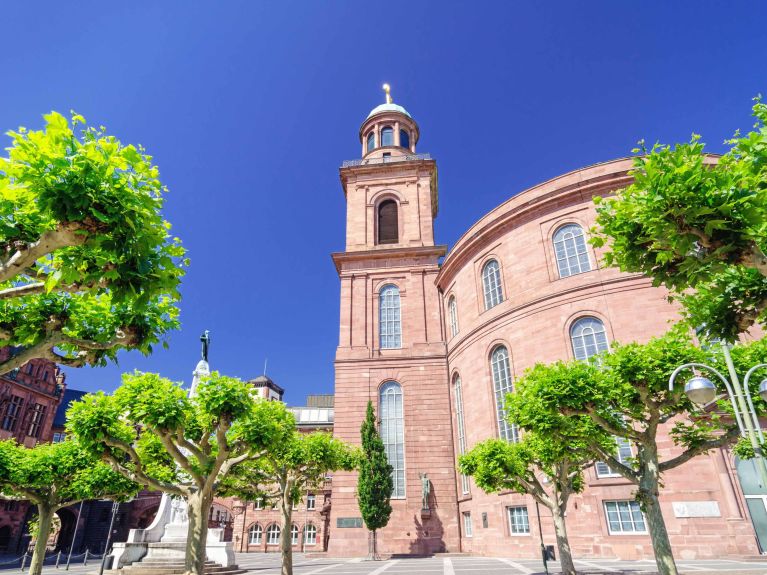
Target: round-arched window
254, 534
310, 534
570, 250
588, 337
371, 141
387, 136
294, 534
273, 534
390, 329
388, 222
491, 284
404, 139
391, 415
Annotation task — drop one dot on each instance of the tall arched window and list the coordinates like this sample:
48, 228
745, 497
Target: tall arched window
389, 317
458, 390
393, 434
388, 222
404, 139
570, 250
371, 141
294, 534
491, 284
254, 534
588, 337
499, 363
273, 534
452, 311
310, 534
387, 136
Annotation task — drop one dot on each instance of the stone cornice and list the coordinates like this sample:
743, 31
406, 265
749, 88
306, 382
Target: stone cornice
420, 255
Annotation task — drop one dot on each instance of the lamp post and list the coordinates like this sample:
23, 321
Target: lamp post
115, 507
701, 391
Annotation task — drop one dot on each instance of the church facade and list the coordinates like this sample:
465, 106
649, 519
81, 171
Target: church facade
436, 339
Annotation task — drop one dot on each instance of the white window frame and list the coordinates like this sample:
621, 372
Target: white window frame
570, 244
389, 317
632, 505
311, 502
310, 534
273, 533
460, 427
468, 528
258, 504
623, 446
255, 534
295, 534
500, 366
491, 284
452, 312
588, 335
510, 514
392, 413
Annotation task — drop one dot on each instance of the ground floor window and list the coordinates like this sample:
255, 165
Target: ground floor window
311, 534
273, 534
624, 517
294, 534
467, 528
519, 523
254, 534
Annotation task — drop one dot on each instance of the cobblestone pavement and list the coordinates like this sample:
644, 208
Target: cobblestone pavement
269, 564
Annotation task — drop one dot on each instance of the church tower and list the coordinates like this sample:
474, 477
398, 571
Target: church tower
391, 347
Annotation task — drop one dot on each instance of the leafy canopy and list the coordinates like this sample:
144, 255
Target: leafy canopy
87, 265
692, 221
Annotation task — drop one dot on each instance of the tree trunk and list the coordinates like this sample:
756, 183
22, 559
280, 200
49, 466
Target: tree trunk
563, 545
198, 507
44, 521
648, 498
286, 539
373, 546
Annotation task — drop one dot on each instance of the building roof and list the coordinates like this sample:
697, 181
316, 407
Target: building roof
265, 381
389, 108
70, 396
313, 416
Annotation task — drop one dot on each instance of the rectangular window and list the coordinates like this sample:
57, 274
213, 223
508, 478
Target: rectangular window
467, 528
624, 517
258, 504
59, 437
519, 523
296, 504
310, 502
36, 421
12, 410
623, 454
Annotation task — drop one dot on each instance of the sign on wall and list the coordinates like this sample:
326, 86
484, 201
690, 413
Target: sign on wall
347, 522
696, 509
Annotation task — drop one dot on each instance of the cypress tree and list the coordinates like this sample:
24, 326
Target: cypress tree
374, 484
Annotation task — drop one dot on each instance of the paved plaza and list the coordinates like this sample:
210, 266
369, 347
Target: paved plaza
269, 564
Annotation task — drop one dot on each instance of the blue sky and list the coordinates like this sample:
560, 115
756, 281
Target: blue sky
250, 107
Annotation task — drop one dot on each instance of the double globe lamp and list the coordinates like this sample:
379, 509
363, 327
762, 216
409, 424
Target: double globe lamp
701, 390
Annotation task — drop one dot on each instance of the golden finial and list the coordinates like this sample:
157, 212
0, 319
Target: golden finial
387, 89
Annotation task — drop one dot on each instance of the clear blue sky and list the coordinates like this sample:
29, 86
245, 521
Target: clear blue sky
250, 107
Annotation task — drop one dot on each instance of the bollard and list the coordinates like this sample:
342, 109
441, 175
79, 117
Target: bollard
85, 560
23, 561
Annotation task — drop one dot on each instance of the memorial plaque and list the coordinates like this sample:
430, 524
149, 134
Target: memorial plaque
696, 509
349, 522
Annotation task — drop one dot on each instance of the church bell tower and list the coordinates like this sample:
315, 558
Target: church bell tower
391, 347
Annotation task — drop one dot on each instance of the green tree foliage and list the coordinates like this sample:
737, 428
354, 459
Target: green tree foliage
374, 482
150, 431
690, 221
547, 463
297, 463
625, 394
53, 476
87, 266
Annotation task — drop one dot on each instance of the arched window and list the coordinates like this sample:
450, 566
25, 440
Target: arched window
393, 434
458, 390
254, 534
388, 222
273, 534
570, 250
371, 141
404, 139
390, 331
452, 311
294, 534
387, 136
491, 284
310, 534
588, 337
499, 363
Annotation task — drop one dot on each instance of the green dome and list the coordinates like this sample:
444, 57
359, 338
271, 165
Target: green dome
388, 108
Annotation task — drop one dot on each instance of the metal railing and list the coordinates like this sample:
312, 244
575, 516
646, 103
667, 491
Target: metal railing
385, 160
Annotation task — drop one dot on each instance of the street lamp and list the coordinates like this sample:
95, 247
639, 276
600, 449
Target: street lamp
701, 391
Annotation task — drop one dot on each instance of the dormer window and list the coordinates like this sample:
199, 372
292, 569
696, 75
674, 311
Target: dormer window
404, 139
387, 136
371, 141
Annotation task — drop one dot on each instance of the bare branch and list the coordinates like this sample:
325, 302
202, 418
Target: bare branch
65, 235
180, 458
729, 437
137, 474
614, 464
